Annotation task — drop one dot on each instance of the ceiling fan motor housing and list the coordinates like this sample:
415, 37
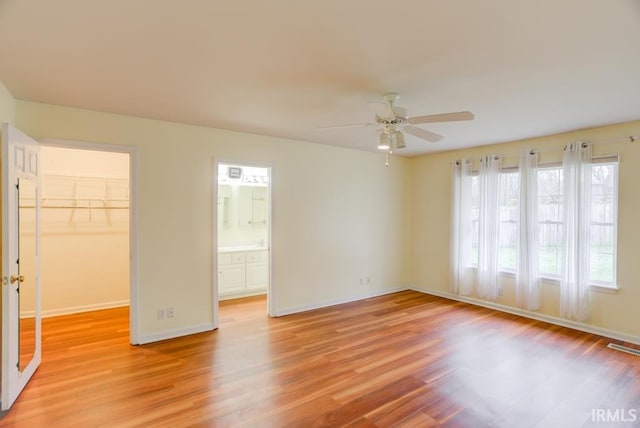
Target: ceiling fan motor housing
399, 117
400, 113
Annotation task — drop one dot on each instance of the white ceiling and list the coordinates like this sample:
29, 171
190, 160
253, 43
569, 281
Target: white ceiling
286, 67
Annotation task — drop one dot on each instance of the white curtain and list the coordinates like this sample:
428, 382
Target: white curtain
461, 227
489, 226
527, 269
574, 286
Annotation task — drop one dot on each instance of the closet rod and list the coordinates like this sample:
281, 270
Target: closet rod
79, 208
85, 199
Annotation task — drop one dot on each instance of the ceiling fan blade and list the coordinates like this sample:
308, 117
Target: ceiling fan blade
444, 117
351, 125
422, 133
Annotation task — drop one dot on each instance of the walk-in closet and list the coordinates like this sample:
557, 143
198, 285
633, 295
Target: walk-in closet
85, 230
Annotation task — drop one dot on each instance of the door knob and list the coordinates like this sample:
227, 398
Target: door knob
18, 279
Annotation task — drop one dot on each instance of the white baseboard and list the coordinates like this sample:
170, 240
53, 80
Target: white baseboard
241, 295
612, 334
76, 309
172, 334
304, 308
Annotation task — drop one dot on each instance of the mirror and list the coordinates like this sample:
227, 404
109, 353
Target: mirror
259, 207
224, 206
27, 197
252, 206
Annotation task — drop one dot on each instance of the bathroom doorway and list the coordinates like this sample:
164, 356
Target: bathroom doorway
243, 233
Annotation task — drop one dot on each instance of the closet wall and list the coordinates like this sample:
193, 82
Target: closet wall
85, 230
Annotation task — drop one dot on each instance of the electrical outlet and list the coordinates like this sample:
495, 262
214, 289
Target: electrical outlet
171, 312
361, 281
160, 314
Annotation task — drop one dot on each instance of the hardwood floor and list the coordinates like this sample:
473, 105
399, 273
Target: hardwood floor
405, 359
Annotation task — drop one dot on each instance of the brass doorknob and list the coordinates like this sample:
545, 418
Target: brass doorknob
15, 279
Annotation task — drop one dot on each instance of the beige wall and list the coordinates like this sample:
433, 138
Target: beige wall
339, 215
7, 106
431, 190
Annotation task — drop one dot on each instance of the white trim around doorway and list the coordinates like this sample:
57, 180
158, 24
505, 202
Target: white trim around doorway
270, 289
134, 334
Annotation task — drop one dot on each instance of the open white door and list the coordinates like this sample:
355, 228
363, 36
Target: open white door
21, 334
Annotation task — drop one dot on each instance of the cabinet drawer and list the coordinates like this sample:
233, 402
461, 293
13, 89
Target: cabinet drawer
257, 257
237, 258
224, 259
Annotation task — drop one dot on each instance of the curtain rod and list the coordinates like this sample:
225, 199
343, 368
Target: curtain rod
626, 139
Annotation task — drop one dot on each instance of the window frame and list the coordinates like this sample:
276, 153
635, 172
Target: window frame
547, 275
615, 161
502, 268
605, 286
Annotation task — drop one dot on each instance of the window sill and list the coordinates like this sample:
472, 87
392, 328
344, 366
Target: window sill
598, 288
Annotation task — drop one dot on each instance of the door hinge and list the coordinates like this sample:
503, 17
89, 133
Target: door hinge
5, 280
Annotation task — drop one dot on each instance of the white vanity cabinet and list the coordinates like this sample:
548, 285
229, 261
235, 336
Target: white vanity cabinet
231, 273
242, 273
257, 273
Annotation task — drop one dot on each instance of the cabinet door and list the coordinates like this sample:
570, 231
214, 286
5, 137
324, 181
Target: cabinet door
231, 279
257, 276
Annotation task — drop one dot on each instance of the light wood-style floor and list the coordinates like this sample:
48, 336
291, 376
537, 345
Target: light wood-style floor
405, 359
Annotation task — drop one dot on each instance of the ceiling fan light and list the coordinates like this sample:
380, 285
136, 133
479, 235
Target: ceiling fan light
400, 143
385, 141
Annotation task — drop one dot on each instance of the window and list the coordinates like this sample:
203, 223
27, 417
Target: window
508, 229
475, 218
604, 207
550, 187
604, 179
550, 221
508, 232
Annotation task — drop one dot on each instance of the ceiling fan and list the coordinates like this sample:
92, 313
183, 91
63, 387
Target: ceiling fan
394, 120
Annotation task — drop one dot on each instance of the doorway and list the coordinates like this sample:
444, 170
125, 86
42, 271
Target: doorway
243, 232
86, 200
85, 228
